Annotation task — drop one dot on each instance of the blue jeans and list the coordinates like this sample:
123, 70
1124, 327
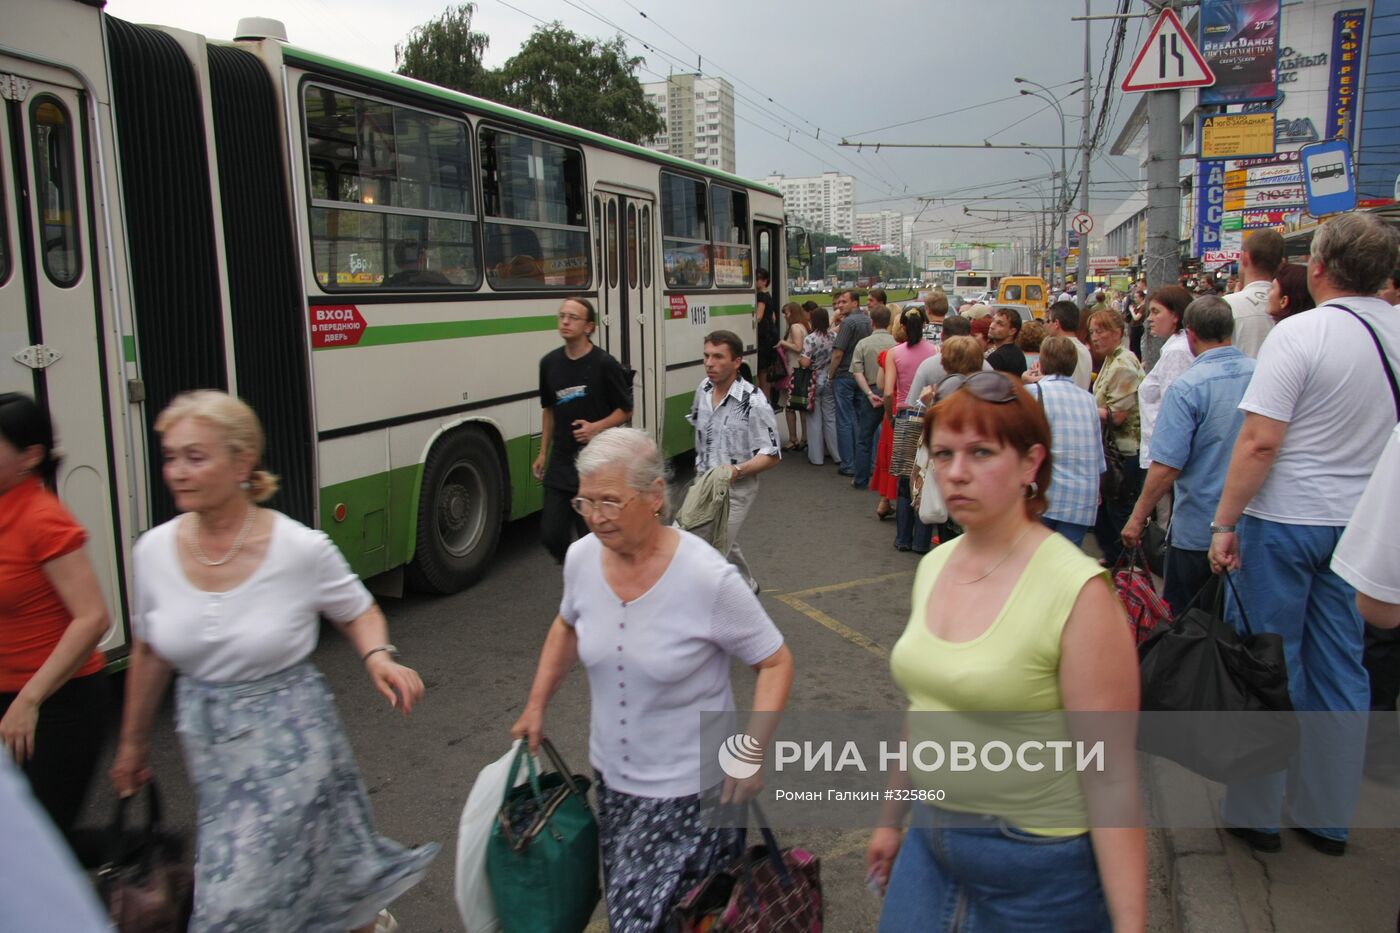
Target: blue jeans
1069, 530
867, 430
1287, 586
848, 400
909, 532
991, 877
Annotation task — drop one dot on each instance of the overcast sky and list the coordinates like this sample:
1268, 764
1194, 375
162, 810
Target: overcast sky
805, 75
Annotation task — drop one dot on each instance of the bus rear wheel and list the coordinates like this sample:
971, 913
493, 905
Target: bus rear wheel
459, 513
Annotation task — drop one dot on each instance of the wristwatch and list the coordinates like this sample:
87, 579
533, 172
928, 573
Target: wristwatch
1221, 529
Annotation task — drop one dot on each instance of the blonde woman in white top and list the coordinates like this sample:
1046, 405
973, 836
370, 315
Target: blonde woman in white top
229, 596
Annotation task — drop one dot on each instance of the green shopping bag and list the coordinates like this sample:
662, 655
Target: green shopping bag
542, 860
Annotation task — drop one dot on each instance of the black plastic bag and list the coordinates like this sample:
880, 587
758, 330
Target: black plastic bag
1199, 665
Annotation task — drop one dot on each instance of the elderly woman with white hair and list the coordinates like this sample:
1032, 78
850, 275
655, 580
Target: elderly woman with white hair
654, 614
230, 596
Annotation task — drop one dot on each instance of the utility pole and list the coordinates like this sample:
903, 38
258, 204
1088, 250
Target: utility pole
1084, 154
1163, 260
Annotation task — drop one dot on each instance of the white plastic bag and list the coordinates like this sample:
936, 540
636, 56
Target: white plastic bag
474, 902
932, 510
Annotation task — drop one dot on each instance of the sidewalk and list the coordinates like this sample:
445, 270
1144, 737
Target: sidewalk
1217, 883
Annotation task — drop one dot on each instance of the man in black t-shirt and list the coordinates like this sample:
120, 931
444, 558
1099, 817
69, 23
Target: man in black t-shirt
1003, 331
769, 333
583, 392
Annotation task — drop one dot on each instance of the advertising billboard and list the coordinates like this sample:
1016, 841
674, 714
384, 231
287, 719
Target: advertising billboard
1240, 42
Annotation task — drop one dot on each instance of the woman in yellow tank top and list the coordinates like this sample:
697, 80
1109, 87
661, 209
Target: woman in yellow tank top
1010, 617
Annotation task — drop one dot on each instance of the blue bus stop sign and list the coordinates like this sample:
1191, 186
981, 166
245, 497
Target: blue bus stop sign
1327, 178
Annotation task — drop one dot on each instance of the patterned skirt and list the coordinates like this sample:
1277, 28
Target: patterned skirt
286, 840
654, 851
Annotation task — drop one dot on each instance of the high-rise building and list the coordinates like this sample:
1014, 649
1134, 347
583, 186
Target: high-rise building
825, 203
885, 228
699, 117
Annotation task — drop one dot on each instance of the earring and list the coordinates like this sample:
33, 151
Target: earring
245, 485
1031, 490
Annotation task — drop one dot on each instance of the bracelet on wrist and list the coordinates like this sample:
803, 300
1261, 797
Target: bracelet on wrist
390, 650
1221, 529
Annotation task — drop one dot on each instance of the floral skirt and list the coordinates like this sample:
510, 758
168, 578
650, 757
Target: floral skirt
655, 849
286, 839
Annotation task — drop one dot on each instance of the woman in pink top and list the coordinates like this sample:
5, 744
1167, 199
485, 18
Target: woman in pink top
901, 361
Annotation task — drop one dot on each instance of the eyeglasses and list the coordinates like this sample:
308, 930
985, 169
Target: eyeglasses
572, 317
989, 387
608, 508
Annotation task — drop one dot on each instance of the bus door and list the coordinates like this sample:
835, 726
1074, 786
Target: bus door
50, 338
627, 293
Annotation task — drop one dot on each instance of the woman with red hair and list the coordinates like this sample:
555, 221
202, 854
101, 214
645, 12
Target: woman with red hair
1011, 617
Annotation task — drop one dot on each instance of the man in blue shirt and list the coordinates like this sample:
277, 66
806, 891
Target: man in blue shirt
1196, 428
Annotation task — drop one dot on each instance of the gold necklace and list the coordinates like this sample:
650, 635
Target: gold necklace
1004, 557
198, 551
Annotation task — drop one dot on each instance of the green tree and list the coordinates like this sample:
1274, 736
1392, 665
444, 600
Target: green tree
445, 51
582, 81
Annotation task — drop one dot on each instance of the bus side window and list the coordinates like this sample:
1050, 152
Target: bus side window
646, 246
732, 253
55, 190
1013, 293
534, 200
391, 195
685, 232
4, 234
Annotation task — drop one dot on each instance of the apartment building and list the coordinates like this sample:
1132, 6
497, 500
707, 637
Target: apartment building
699, 117
825, 203
885, 228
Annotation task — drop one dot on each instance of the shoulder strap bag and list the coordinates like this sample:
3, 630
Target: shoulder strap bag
1385, 360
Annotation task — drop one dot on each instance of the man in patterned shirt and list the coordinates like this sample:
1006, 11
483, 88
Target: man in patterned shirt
734, 427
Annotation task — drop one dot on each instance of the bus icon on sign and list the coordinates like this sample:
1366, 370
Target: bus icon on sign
1333, 170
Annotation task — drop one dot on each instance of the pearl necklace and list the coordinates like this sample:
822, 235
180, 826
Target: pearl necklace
198, 552
1008, 553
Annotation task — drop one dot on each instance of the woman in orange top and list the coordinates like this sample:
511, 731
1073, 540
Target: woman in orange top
53, 693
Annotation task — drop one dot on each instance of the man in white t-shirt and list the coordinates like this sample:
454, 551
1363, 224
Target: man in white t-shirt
1062, 320
1259, 262
1313, 431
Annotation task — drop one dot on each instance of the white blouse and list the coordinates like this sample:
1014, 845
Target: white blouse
1176, 358
655, 664
266, 624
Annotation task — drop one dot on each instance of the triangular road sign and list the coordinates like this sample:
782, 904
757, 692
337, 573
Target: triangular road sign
1168, 59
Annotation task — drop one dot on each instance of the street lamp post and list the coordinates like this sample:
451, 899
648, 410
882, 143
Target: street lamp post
1056, 208
1043, 93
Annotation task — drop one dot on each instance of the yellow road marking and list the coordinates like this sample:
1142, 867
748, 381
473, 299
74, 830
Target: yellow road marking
850, 584
845, 631
795, 600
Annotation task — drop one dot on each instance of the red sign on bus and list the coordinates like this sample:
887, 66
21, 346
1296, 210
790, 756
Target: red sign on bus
335, 326
678, 308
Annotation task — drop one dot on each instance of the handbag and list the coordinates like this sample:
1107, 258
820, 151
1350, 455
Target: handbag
768, 889
1200, 664
542, 860
928, 500
800, 398
1132, 581
144, 882
1112, 479
908, 427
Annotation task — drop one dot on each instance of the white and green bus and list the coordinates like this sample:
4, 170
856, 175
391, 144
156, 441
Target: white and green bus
374, 263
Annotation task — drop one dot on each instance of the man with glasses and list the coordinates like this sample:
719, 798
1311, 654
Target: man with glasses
583, 392
735, 428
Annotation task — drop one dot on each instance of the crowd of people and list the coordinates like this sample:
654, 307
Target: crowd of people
1259, 435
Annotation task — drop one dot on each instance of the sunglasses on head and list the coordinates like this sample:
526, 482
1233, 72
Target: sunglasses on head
989, 387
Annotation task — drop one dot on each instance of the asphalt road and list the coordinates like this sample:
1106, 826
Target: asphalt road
831, 580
